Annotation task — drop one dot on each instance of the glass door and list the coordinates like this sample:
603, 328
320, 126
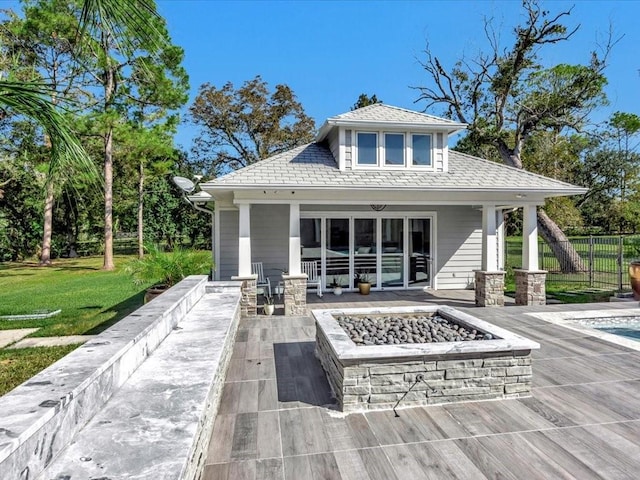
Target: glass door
337, 261
392, 252
420, 252
364, 248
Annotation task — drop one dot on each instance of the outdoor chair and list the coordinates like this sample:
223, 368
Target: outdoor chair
311, 269
262, 282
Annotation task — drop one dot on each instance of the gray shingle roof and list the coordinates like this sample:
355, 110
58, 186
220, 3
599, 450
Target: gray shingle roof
381, 113
313, 166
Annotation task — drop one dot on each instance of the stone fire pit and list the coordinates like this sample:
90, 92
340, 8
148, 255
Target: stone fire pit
408, 356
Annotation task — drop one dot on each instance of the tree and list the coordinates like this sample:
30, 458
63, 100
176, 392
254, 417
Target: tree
365, 100
134, 65
505, 96
243, 126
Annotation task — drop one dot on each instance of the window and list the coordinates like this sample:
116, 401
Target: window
421, 150
367, 149
394, 149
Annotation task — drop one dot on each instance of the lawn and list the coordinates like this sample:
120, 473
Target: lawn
91, 300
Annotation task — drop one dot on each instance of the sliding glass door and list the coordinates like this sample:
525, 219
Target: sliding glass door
394, 251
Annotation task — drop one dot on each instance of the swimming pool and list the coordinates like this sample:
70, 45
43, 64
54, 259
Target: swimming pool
619, 325
625, 326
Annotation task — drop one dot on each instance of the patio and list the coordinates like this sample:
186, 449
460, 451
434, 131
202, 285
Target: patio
277, 419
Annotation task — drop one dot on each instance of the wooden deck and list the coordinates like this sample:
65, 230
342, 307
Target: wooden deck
277, 419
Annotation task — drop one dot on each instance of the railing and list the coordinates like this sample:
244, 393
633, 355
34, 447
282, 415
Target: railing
605, 260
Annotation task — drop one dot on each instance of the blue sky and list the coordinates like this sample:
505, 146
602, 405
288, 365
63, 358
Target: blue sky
329, 52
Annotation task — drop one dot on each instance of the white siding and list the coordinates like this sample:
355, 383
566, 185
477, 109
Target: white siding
348, 150
459, 246
439, 160
228, 244
334, 143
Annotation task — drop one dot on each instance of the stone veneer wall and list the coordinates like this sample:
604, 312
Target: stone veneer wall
249, 298
489, 289
295, 294
374, 386
530, 287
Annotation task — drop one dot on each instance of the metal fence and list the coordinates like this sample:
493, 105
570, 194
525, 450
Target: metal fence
605, 260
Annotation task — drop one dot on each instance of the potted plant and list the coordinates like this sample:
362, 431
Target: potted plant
363, 282
634, 268
269, 306
164, 269
336, 285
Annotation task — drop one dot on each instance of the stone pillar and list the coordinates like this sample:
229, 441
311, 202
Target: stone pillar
489, 289
249, 295
295, 294
530, 287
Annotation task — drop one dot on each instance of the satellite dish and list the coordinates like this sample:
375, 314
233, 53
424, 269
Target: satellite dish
184, 184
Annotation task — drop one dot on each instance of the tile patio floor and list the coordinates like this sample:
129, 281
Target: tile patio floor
278, 421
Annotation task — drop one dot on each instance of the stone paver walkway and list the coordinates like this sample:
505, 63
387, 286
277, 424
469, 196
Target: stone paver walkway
7, 337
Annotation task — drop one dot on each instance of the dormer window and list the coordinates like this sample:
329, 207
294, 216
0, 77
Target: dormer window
367, 148
420, 150
394, 150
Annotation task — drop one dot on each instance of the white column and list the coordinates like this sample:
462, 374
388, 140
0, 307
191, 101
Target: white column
294, 239
489, 240
500, 233
244, 240
529, 238
216, 243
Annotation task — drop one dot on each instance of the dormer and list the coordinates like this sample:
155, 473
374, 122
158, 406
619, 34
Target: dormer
383, 137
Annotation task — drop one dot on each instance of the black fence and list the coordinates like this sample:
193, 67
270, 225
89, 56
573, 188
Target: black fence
605, 261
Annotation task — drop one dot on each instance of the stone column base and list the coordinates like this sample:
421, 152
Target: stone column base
489, 289
249, 295
530, 287
295, 294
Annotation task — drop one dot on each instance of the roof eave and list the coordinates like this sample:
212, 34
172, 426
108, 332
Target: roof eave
450, 128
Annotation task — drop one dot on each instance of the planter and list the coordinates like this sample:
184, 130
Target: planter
337, 291
269, 309
634, 278
364, 287
154, 291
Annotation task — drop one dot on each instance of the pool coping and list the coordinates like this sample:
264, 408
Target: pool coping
569, 320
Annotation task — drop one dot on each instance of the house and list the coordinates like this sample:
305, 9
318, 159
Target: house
378, 192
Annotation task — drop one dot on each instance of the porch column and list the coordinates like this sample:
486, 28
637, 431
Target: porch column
489, 280
530, 282
294, 239
248, 301
500, 234
295, 282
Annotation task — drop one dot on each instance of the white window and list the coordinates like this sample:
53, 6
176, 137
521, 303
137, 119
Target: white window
394, 149
367, 144
420, 150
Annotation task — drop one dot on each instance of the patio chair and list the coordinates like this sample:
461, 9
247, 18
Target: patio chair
262, 282
311, 269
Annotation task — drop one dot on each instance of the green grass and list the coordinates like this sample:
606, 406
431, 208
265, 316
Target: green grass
17, 366
90, 299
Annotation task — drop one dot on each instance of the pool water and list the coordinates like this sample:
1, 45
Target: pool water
628, 327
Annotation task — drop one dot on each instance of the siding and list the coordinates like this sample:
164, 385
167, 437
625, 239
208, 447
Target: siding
439, 160
228, 244
334, 143
269, 240
459, 246
348, 151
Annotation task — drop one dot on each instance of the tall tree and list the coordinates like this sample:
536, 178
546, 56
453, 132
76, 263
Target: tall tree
243, 126
365, 100
134, 64
506, 96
